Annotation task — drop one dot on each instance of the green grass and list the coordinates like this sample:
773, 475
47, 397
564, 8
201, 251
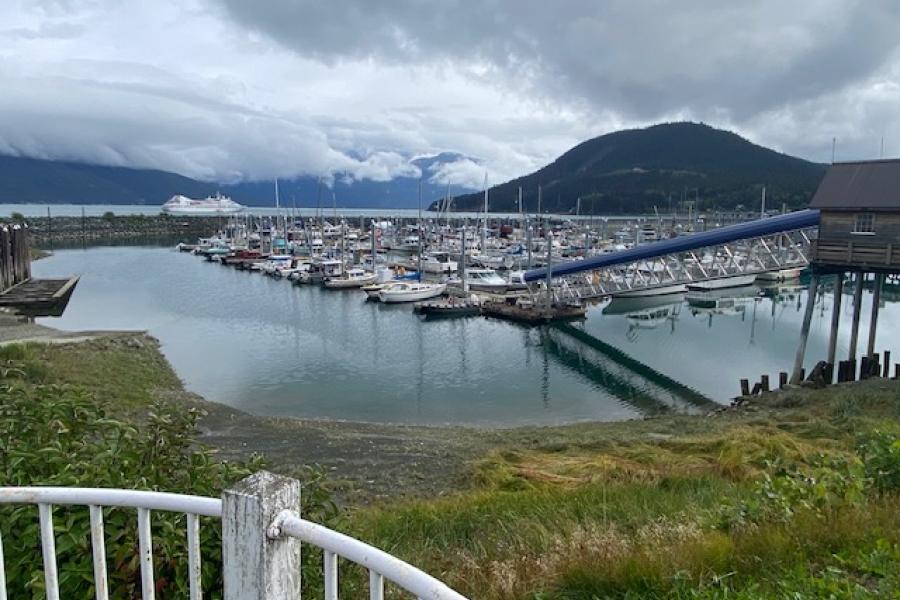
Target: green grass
127, 373
637, 510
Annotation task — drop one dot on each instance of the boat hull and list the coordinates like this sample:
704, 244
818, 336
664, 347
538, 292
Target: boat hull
780, 275
389, 296
722, 283
665, 290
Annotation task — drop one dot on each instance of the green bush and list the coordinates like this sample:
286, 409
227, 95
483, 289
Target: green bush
54, 435
880, 453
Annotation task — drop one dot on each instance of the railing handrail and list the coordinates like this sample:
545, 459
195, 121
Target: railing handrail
413, 580
162, 501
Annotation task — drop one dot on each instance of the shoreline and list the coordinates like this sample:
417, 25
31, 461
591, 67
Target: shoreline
367, 463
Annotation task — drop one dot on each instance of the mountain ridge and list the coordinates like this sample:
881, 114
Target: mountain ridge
637, 170
26, 180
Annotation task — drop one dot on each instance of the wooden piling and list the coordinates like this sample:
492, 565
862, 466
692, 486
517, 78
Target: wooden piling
764, 383
782, 379
873, 320
864, 368
745, 387
857, 306
797, 375
887, 364
835, 319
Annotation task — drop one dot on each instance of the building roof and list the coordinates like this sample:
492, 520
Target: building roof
870, 184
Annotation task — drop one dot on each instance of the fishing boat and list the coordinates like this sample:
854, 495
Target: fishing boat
211, 205
410, 291
352, 278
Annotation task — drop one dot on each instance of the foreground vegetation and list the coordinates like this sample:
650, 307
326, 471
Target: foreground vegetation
797, 496
799, 499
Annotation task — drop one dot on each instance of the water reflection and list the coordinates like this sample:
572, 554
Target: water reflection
271, 348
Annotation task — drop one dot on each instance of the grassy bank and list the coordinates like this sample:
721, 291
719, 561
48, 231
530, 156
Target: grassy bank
795, 495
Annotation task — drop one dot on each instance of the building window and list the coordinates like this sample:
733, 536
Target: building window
865, 223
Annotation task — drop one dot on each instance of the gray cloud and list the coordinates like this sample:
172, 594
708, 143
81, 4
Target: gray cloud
239, 89
642, 59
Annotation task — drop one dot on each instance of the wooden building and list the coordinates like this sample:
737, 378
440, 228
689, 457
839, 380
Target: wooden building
859, 240
859, 227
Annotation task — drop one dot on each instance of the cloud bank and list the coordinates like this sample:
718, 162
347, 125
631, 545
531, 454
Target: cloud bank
235, 90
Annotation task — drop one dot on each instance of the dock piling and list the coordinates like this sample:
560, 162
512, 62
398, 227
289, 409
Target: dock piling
797, 375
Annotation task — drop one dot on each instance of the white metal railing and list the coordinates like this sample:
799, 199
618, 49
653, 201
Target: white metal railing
261, 537
96, 499
380, 564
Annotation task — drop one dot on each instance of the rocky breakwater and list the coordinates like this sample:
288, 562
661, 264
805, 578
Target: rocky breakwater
47, 232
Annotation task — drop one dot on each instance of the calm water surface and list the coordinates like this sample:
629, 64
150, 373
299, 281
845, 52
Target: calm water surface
268, 347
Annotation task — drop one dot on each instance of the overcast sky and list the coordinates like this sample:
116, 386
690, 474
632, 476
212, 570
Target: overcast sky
251, 89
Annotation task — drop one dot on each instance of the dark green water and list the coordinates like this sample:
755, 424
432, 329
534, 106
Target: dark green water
271, 348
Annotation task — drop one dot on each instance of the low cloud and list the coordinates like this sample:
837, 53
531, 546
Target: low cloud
234, 90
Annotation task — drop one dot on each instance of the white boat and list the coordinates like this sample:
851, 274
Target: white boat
410, 291
663, 290
275, 264
211, 205
780, 274
485, 280
352, 278
438, 262
722, 282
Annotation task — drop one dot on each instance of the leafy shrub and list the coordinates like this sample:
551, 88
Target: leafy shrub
57, 435
880, 453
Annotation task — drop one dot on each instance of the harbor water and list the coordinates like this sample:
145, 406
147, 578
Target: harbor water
271, 348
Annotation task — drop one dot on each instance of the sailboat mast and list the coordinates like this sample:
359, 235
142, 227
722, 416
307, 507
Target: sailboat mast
484, 225
419, 235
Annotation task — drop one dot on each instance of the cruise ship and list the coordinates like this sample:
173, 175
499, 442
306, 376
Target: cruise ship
211, 205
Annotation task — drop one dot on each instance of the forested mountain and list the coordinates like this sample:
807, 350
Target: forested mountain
634, 170
28, 180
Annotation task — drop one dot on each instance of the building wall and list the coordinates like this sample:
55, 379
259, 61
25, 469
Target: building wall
838, 246
838, 227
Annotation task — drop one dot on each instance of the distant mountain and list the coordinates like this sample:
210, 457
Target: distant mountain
632, 171
34, 181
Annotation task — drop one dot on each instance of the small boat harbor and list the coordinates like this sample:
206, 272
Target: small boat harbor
452, 268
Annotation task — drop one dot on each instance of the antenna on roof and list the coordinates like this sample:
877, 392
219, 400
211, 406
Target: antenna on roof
833, 144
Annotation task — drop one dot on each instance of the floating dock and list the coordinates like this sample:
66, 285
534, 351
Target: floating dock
533, 314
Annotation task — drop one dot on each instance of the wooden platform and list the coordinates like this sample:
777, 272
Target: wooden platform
39, 297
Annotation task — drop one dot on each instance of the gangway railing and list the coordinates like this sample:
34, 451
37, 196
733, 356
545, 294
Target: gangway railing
261, 541
771, 244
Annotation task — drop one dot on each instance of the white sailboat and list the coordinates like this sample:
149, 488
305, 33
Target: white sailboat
410, 291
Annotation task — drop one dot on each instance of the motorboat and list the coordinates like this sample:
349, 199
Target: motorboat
410, 291
321, 269
352, 278
663, 290
275, 263
485, 280
438, 262
781, 274
722, 283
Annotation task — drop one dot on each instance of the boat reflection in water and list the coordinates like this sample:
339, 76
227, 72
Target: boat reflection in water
646, 312
725, 302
